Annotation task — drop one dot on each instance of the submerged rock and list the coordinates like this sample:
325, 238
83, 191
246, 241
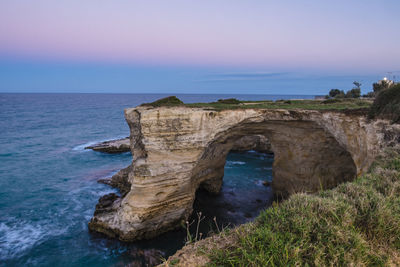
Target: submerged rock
112, 146
266, 183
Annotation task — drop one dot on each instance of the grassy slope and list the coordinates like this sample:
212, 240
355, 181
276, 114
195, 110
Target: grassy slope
357, 223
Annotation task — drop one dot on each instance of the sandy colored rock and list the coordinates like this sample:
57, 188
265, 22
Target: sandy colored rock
179, 149
258, 143
119, 180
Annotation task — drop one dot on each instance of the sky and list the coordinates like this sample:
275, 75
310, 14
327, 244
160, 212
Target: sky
208, 46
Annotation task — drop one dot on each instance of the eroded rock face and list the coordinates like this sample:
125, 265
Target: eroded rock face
258, 143
179, 149
119, 180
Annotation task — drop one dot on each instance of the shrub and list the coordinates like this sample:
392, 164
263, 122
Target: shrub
331, 101
336, 93
166, 101
229, 101
387, 104
378, 87
353, 93
369, 94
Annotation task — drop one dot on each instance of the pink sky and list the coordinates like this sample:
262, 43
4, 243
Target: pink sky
286, 34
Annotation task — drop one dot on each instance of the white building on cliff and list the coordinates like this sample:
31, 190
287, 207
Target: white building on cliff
386, 81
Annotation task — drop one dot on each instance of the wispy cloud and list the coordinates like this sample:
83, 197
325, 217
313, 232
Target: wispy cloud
241, 76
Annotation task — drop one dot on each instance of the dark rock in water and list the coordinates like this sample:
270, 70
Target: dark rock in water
247, 215
146, 257
105, 203
119, 180
106, 181
266, 183
112, 146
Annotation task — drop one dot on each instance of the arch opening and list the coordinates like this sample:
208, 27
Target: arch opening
306, 157
245, 191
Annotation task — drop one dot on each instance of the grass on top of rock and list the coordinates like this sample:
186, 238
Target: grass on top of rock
233, 103
334, 104
166, 101
355, 224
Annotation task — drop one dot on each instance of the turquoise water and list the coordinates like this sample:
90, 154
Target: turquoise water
48, 182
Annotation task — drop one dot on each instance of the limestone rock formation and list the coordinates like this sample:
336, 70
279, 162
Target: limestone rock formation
112, 146
258, 143
119, 180
179, 149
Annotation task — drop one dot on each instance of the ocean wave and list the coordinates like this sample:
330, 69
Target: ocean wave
235, 162
15, 238
90, 143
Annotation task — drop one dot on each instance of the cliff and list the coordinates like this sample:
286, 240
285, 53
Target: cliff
179, 149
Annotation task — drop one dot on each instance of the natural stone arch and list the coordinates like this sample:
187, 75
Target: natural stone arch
307, 158
171, 145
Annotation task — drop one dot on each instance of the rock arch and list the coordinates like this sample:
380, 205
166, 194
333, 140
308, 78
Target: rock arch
178, 149
307, 158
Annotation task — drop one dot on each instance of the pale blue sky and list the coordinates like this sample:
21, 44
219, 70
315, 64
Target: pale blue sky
209, 46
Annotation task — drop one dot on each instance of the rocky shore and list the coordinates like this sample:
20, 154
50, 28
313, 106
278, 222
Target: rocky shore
112, 146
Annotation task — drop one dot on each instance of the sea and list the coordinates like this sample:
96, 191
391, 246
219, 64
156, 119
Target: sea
49, 188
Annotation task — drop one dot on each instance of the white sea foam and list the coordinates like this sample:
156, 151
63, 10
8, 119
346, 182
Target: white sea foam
15, 238
82, 147
235, 162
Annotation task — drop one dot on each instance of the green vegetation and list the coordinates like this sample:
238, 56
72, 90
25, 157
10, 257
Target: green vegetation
229, 101
336, 93
353, 93
232, 103
166, 101
382, 85
355, 224
387, 104
337, 104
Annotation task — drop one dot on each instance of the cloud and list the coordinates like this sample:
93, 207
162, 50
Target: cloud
241, 76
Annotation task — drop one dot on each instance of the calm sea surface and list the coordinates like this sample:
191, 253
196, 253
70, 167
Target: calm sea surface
49, 189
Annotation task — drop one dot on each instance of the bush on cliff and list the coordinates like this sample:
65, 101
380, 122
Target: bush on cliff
166, 101
387, 104
336, 93
355, 224
353, 93
229, 101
